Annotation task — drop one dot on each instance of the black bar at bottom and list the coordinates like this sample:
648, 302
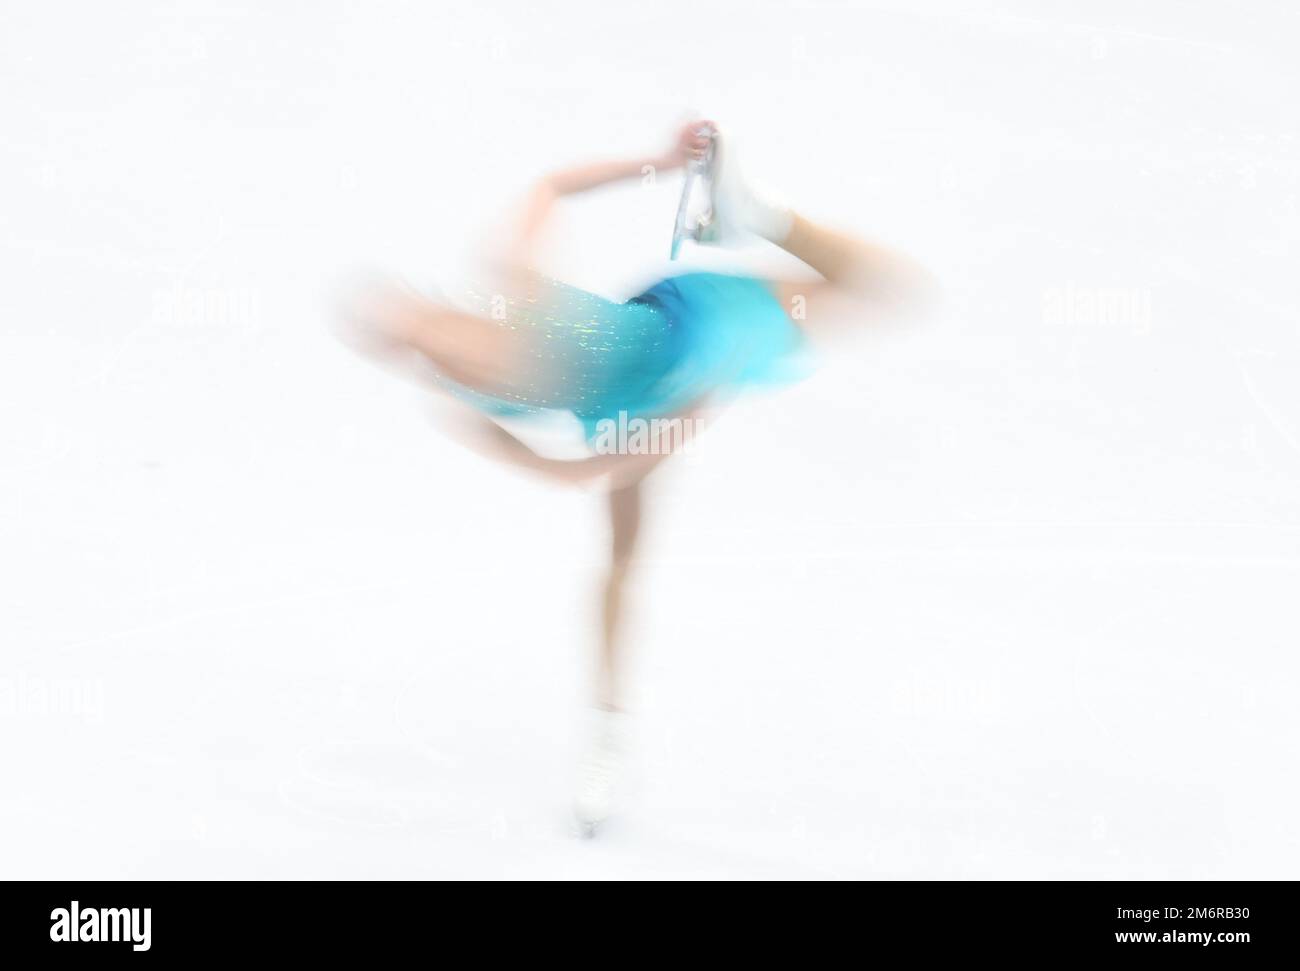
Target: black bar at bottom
165, 921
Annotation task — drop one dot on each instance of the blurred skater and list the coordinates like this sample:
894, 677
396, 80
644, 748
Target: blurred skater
663, 355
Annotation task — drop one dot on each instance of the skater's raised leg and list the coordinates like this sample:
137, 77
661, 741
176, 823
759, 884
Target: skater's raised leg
856, 275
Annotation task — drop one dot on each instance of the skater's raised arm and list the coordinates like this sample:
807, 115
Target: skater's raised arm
688, 144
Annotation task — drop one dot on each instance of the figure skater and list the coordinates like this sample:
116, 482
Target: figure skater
667, 353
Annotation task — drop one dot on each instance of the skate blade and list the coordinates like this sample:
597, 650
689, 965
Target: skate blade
695, 226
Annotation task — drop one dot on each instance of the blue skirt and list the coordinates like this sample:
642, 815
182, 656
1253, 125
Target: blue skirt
686, 338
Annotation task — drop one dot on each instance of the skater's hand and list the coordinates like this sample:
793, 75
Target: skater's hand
692, 142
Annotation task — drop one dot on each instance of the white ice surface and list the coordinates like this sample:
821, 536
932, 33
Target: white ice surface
1010, 594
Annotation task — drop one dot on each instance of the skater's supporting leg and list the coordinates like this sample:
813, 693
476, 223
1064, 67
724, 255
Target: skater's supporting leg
599, 768
625, 523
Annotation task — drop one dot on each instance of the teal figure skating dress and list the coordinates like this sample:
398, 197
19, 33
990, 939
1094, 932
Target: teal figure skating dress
686, 338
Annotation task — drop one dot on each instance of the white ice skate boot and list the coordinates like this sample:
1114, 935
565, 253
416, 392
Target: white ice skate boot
600, 770
738, 210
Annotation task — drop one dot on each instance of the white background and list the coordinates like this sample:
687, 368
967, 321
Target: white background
1008, 593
